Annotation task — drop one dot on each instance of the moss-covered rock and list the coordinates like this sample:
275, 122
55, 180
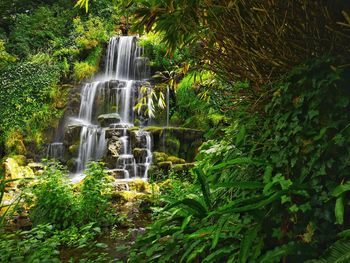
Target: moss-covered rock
116, 173
175, 160
126, 196
72, 164
37, 168
72, 134
159, 157
165, 166
73, 149
140, 154
142, 186
171, 145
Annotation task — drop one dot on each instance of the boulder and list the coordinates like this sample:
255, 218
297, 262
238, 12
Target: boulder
117, 173
159, 157
175, 160
106, 120
72, 134
140, 154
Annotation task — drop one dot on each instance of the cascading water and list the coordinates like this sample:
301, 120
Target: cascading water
107, 107
55, 150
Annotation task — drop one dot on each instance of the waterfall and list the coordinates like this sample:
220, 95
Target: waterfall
107, 106
55, 150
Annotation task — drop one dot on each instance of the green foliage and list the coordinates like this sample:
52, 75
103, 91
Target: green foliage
54, 200
88, 34
5, 57
83, 70
43, 243
273, 188
339, 252
25, 97
155, 50
200, 102
35, 32
95, 196
37, 244
62, 206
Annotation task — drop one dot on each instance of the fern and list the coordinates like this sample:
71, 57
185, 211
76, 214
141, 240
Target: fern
339, 252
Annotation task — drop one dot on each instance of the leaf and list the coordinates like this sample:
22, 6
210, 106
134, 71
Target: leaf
240, 185
340, 189
246, 244
253, 206
312, 113
345, 233
267, 174
196, 207
240, 160
185, 222
220, 225
275, 255
339, 252
204, 186
241, 135
339, 210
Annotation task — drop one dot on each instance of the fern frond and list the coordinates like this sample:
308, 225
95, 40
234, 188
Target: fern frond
339, 252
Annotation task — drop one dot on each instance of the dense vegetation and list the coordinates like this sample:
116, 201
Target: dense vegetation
267, 82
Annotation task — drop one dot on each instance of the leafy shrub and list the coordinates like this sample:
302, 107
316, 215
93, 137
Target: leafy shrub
156, 51
55, 202
25, 97
43, 243
90, 33
83, 70
94, 196
36, 245
34, 32
58, 204
272, 189
5, 57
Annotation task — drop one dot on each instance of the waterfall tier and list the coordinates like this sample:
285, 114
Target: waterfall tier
108, 102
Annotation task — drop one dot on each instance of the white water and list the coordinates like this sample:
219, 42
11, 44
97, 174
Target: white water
103, 102
117, 91
55, 150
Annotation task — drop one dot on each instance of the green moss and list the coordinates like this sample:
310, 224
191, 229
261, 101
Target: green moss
175, 160
159, 157
184, 167
165, 166
172, 145
15, 171
73, 149
142, 186
154, 129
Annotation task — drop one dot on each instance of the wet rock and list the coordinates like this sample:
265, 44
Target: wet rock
15, 171
114, 147
73, 149
117, 173
115, 131
72, 134
140, 154
107, 119
72, 164
165, 166
36, 167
